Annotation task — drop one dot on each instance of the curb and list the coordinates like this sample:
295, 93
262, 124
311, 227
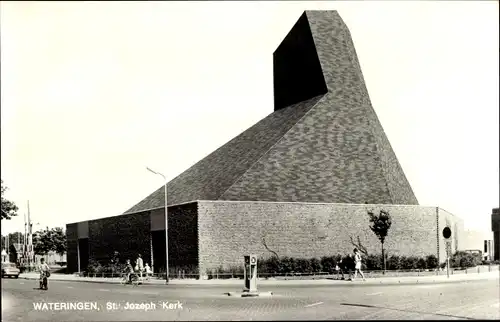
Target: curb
67, 280
392, 281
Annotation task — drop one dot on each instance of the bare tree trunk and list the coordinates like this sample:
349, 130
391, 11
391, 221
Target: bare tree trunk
383, 258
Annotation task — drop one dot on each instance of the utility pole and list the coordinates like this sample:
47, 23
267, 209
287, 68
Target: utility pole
7, 247
166, 224
30, 239
24, 242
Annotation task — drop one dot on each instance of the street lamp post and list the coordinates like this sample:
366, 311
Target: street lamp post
166, 221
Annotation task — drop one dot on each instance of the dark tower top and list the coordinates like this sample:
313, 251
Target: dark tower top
322, 143
296, 68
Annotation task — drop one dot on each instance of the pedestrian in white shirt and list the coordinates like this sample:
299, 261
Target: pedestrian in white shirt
148, 270
139, 264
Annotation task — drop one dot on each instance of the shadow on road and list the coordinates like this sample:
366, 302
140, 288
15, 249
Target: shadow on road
410, 311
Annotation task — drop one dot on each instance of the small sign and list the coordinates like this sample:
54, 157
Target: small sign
448, 248
253, 260
446, 232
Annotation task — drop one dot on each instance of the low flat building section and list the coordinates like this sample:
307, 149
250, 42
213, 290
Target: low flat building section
206, 235
133, 234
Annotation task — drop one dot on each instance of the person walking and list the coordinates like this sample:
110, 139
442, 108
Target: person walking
148, 270
357, 267
140, 265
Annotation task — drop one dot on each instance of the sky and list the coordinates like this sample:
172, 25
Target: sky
92, 93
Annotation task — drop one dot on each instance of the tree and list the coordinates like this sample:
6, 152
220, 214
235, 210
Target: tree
380, 225
9, 208
41, 242
58, 240
48, 240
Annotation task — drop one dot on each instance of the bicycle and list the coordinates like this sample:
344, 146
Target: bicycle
44, 282
131, 278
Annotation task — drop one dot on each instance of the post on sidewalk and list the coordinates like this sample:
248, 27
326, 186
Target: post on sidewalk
250, 278
250, 273
447, 266
447, 235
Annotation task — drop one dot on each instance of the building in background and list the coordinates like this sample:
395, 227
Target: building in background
488, 253
495, 228
298, 183
52, 258
475, 240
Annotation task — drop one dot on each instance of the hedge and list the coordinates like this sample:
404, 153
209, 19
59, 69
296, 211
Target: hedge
286, 265
110, 268
325, 264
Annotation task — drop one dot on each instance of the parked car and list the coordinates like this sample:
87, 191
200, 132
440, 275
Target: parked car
10, 269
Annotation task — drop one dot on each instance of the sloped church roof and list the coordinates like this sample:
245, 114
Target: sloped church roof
322, 143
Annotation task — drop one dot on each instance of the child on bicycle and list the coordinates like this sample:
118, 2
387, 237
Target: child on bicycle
44, 270
129, 270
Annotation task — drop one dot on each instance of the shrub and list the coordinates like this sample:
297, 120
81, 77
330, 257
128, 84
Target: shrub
464, 259
421, 263
432, 261
373, 262
316, 265
328, 263
94, 267
394, 262
303, 265
263, 266
218, 272
410, 262
236, 271
287, 265
272, 265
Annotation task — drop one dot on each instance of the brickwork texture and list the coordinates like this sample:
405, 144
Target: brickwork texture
230, 230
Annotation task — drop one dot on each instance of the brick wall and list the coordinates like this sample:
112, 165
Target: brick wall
229, 230
456, 224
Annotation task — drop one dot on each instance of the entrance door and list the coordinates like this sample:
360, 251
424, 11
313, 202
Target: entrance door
83, 253
159, 250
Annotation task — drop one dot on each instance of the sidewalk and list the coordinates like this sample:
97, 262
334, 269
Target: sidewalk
272, 281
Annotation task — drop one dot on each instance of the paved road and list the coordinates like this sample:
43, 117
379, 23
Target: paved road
477, 299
